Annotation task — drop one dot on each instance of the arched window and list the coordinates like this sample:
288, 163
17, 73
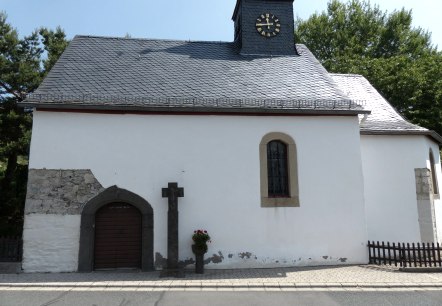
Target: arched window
279, 171
433, 173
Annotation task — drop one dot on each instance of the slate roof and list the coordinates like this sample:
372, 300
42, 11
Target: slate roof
384, 119
143, 74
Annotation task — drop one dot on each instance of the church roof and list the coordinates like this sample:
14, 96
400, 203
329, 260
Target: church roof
163, 75
384, 119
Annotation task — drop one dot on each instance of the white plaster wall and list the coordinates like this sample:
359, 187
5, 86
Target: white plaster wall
390, 185
52, 243
216, 160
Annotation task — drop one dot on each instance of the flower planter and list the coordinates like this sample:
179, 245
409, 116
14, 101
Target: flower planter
199, 248
199, 252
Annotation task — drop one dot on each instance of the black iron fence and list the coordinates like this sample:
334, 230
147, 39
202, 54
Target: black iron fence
10, 249
405, 254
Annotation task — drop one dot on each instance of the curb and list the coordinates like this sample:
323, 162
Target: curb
230, 286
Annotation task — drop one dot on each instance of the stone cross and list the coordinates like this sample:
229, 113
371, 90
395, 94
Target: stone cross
172, 192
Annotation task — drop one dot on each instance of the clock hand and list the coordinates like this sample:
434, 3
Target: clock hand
268, 23
264, 24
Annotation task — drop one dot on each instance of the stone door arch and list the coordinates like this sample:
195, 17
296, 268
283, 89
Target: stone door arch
87, 230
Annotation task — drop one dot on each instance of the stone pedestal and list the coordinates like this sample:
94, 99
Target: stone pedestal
199, 259
199, 263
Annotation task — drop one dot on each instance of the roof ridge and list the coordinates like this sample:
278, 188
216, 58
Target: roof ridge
152, 39
347, 75
160, 39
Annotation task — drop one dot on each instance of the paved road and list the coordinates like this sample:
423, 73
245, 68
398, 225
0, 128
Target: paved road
201, 298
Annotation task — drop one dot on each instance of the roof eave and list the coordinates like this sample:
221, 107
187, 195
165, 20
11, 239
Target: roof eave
189, 109
432, 134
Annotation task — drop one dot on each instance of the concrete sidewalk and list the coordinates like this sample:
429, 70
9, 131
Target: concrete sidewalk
367, 277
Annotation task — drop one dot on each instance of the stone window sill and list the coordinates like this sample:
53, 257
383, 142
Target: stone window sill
280, 202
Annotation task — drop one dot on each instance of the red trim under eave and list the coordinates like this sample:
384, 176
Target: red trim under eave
118, 112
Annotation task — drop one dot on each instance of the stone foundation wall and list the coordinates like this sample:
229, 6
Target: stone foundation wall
60, 191
51, 243
51, 233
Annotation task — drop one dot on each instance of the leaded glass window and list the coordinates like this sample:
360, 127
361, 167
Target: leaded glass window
277, 169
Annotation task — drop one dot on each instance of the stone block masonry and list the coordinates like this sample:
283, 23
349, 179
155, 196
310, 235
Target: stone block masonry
425, 205
61, 192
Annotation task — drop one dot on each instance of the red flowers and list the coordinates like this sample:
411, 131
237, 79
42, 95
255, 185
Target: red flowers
201, 237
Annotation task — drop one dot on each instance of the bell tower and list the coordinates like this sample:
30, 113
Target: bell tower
264, 27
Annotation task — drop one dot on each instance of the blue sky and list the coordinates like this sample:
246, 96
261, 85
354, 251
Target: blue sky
173, 19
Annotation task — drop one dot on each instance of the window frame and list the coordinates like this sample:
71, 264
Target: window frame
433, 176
279, 181
293, 199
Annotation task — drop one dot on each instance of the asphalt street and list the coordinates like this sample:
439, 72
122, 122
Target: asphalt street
202, 298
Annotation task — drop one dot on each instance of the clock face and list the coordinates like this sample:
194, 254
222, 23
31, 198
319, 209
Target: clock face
268, 25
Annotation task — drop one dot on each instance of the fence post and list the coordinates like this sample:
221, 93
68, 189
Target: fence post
389, 253
383, 253
10, 249
438, 255
20, 249
419, 253
414, 254
369, 253
394, 254
402, 252
379, 253
429, 254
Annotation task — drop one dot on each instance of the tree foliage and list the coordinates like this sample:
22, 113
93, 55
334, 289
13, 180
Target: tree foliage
397, 58
23, 64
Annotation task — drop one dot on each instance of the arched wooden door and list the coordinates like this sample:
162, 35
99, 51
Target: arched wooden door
117, 237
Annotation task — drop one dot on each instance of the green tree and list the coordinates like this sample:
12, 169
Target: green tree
23, 64
397, 58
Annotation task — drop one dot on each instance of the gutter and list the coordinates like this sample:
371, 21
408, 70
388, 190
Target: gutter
192, 109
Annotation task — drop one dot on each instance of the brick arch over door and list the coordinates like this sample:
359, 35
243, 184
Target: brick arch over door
87, 231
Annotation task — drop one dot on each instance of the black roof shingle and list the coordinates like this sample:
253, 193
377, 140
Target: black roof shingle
383, 119
120, 73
